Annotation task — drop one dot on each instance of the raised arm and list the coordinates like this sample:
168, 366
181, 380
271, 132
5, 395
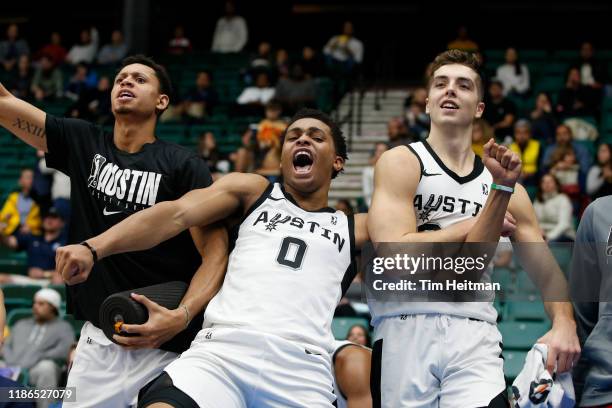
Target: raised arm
24, 120
163, 221
535, 257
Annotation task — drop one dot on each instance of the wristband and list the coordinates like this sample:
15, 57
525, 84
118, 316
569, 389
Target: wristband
502, 188
92, 249
187, 316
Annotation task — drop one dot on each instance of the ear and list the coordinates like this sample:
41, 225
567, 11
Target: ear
162, 102
479, 109
427, 105
338, 163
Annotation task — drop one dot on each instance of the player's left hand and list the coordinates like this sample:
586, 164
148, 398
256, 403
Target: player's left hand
163, 324
503, 164
563, 346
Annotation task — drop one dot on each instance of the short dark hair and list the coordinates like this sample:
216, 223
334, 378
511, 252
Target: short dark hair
336, 132
165, 85
468, 59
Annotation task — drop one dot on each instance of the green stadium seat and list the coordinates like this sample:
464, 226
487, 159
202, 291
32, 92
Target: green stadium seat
513, 363
492, 56
562, 254
556, 68
17, 314
524, 284
526, 311
521, 335
341, 325
504, 277
533, 55
19, 295
549, 83
566, 55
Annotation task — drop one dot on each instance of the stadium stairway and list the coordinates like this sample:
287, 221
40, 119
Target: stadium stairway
373, 130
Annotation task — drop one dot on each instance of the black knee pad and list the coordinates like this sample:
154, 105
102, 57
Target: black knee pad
162, 389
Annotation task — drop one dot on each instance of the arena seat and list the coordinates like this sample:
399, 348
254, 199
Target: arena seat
17, 314
16, 296
341, 325
513, 363
526, 311
521, 335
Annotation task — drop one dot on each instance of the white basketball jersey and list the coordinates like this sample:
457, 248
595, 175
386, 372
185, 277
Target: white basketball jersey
285, 273
444, 198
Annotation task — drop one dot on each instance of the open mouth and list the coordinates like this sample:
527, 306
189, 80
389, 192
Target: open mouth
125, 95
302, 161
449, 105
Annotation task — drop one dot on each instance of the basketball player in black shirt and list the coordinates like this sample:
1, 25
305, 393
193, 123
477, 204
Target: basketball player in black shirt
114, 175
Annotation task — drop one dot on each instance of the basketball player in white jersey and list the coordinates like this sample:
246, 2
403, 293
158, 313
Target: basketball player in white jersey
267, 335
351, 366
435, 354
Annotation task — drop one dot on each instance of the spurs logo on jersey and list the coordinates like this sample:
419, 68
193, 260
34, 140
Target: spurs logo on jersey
448, 198
286, 271
130, 189
272, 221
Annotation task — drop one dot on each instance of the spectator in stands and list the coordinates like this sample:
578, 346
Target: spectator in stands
36, 342
269, 131
463, 41
500, 112
20, 214
553, 210
262, 61
259, 95
20, 83
86, 50
359, 335
529, 151
344, 52
79, 83
207, 149
564, 138
115, 51
201, 100
296, 92
263, 58
367, 176
41, 186
543, 120
94, 104
513, 74
576, 99
179, 44
12, 48
566, 169
231, 33
482, 132
60, 188
310, 63
593, 73
398, 133
345, 206
54, 50
282, 67
599, 178
47, 83
243, 158
416, 117
40, 250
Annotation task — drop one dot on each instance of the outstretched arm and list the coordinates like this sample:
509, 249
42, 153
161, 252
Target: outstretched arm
535, 257
163, 221
24, 120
